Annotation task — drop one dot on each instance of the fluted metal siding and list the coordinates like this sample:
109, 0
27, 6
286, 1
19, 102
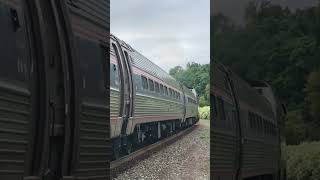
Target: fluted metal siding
94, 144
223, 139
114, 110
14, 130
93, 12
90, 20
15, 98
259, 153
250, 96
114, 102
223, 152
149, 106
191, 109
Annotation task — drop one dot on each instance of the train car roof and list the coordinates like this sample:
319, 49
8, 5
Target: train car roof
246, 93
143, 63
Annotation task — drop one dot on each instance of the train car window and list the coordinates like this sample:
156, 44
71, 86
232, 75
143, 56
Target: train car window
157, 88
270, 128
260, 124
151, 85
161, 89
264, 125
254, 122
213, 105
166, 90
114, 70
221, 111
13, 56
144, 82
257, 123
90, 59
250, 120
234, 118
112, 74
126, 54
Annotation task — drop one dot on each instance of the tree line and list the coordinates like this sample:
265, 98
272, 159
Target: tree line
282, 47
195, 76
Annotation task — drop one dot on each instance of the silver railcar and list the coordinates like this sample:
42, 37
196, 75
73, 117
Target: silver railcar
146, 103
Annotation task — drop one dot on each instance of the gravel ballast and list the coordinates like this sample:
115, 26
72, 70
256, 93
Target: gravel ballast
188, 158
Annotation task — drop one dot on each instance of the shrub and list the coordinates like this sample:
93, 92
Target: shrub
303, 161
204, 112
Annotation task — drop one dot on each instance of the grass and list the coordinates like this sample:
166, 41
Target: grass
303, 161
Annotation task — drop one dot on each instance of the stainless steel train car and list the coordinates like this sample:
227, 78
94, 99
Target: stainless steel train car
53, 89
146, 103
247, 133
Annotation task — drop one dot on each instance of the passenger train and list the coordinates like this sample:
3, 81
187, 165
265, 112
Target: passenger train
247, 129
146, 103
55, 86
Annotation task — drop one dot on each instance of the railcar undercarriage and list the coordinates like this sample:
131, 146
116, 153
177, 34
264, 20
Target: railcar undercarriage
148, 133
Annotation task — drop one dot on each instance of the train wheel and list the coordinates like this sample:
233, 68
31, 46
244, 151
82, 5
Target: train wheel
129, 148
116, 154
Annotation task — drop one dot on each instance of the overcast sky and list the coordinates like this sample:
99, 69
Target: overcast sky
235, 9
168, 32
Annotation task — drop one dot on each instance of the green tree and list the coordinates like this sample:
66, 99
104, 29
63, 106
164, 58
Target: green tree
281, 47
194, 76
313, 94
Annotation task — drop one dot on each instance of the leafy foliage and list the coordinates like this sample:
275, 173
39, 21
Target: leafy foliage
194, 76
303, 162
204, 112
281, 47
313, 94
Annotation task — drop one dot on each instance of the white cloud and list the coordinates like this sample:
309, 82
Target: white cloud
168, 32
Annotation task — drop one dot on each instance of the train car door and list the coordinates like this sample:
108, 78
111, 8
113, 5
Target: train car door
126, 88
46, 131
236, 117
16, 91
131, 90
33, 91
184, 104
91, 150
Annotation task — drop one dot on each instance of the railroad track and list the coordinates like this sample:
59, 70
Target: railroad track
120, 165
